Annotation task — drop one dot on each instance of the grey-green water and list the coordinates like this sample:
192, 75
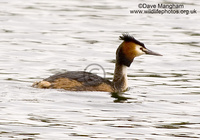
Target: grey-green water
41, 38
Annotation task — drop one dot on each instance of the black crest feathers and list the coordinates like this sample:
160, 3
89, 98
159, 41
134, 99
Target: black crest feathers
128, 38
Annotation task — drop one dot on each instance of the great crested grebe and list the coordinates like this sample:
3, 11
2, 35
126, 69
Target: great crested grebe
85, 81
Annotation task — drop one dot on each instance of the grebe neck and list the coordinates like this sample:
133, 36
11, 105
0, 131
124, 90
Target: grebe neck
120, 78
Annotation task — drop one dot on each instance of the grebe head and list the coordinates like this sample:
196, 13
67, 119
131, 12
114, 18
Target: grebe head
131, 48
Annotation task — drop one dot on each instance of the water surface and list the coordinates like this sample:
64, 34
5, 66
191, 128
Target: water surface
41, 38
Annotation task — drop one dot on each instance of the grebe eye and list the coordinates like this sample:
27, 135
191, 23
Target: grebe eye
141, 49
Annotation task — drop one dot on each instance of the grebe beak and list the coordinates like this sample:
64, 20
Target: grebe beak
149, 52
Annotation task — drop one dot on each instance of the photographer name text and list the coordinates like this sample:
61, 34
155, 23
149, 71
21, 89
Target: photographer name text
161, 8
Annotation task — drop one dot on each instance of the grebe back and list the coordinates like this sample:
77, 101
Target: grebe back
85, 81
